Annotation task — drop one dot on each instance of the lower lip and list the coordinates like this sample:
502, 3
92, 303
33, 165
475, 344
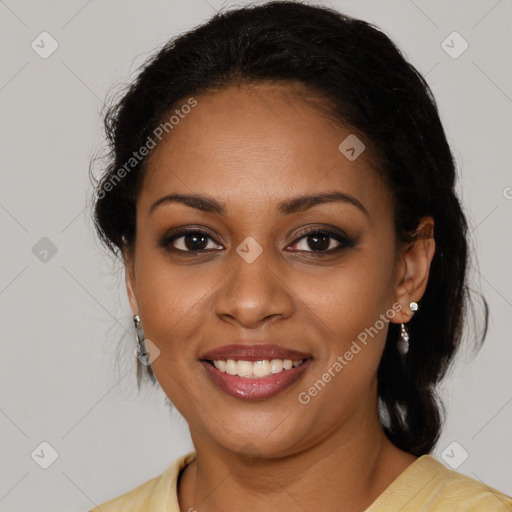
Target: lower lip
255, 388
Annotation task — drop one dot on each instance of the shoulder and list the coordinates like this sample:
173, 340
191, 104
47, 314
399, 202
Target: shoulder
471, 494
427, 485
156, 494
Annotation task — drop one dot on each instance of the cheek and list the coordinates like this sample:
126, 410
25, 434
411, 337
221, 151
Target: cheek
354, 306
170, 298
171, 301
353, 338
351, 298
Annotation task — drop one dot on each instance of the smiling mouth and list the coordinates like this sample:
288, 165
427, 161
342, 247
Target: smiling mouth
255, 369
255, 380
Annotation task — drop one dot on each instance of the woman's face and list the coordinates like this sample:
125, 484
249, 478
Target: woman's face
260, 280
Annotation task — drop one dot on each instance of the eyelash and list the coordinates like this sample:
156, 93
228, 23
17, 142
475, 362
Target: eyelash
345, 241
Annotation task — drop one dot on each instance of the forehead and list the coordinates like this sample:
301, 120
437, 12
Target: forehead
255, 144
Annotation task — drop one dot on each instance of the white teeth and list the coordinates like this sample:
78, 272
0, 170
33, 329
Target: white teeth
276, 366
251, 369
230, 367
244, 368
261, 368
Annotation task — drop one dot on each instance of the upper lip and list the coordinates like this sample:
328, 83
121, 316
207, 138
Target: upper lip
253, 352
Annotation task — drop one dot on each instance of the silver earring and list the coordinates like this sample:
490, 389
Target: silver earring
403, 340
142, 353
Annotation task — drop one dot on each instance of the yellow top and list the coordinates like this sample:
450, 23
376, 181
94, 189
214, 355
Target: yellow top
425, 486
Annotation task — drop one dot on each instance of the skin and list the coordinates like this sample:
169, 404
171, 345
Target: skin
251, 147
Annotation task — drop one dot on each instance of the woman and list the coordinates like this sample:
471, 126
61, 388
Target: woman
281, 192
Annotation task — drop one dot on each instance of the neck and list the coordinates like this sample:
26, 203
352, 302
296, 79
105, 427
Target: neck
348, 469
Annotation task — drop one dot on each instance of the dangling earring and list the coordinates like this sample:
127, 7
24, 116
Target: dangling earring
142, 354
403, 340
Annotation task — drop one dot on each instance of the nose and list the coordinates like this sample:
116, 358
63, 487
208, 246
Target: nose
253, 294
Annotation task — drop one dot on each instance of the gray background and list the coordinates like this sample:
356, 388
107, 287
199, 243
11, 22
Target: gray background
67, 368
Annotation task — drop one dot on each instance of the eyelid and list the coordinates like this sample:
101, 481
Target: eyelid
328, 230
178, 233
344, 240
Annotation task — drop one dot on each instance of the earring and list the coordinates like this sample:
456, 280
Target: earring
403, 341
139, 338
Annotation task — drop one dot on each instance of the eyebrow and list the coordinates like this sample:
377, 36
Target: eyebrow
287, 207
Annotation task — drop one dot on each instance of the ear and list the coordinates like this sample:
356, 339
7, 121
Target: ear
413, 269
129, 271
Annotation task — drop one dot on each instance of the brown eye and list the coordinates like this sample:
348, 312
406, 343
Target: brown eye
322, 242
190, 240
